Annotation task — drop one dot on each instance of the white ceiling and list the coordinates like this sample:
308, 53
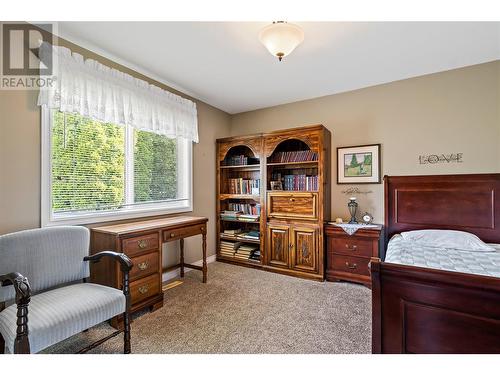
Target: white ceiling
225, 65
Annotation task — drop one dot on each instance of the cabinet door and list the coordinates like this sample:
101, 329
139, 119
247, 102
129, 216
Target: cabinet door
278, 245
305, 248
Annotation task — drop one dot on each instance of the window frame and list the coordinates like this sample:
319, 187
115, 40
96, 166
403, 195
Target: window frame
185, 163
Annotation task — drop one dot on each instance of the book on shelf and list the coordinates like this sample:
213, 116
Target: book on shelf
255, 255
240, 160
300, 182
294, 156
229, 248
230, 214
251, 235
245, 208
243, 186
247, 217
232, 231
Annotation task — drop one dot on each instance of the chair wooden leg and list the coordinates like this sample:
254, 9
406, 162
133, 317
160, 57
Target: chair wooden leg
22, 344
2, 344
126, 333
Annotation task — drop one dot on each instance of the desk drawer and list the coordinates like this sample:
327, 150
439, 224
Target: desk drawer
292, 205
141, 244
351, 246
174, 234
144, 265
353, 265
144, 288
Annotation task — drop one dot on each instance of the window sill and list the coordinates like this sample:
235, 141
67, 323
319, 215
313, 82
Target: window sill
93, 218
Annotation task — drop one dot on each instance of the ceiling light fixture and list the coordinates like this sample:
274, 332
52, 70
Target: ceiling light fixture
281, 38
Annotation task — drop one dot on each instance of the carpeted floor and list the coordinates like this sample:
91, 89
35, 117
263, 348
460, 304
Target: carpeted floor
242, 310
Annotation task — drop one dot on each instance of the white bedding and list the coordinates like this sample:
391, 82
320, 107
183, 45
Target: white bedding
405, 252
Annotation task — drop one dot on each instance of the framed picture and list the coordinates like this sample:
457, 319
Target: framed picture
276, 185
358, 164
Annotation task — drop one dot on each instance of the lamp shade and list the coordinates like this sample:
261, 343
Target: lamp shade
281, 38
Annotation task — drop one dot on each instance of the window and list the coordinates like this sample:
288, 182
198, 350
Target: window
94, 171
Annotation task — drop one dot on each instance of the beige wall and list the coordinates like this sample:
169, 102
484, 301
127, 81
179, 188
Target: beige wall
20, 161
450, 112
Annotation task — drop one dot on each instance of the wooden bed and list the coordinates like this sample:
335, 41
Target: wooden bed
422, 310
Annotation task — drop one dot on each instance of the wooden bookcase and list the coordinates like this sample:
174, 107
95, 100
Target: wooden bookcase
291, 220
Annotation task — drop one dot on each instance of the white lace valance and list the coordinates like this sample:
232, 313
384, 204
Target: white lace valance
94, 90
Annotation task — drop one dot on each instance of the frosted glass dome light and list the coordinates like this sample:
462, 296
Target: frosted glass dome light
281, 38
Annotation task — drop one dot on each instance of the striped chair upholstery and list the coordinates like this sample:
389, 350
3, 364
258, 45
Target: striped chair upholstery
61, 304
60, 313
48, 257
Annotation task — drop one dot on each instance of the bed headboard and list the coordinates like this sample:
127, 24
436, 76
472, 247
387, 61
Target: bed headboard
467, 202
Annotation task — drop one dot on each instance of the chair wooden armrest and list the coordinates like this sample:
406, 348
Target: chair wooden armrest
23, 295
125, 262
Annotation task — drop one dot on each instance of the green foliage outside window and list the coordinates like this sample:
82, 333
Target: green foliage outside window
88, 165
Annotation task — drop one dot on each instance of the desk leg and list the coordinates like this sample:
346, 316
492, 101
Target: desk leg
182, 256
204, 256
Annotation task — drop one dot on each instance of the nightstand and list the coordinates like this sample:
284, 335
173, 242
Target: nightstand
348, 256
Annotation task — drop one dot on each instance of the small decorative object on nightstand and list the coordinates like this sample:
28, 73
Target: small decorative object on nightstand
353, 207
348, 256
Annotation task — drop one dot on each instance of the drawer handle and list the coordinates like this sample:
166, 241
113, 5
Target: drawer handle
142, 244
172, 234
351, 266
143, 289
143, 266
353, 248
292, 199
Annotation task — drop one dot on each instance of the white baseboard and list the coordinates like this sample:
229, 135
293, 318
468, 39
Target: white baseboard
176, 273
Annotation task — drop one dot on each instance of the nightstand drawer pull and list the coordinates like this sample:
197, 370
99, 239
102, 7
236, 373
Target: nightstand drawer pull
143, 266
172, 234
351, 266
142, 244
353, 247
143, 289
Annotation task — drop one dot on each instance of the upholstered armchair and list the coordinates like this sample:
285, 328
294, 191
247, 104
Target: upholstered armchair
44, 296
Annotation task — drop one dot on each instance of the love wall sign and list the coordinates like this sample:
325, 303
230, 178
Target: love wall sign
440, 158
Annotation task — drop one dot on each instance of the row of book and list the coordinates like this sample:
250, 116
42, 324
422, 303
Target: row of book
240, 234
245, 208
240, 160
239, 250
244, 186
294, 156
300, 182
239, 216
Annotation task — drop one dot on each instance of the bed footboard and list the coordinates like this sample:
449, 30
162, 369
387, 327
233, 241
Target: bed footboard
419, 310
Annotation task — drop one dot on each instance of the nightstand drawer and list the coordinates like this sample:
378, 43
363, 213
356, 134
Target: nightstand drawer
141, 244
352, 246
349, 264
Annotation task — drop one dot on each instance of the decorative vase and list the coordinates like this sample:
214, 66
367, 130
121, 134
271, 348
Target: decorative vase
353, 207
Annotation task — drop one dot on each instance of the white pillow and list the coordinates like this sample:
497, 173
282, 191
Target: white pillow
449, 239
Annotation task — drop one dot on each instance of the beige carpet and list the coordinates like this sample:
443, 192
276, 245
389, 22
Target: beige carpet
242, 310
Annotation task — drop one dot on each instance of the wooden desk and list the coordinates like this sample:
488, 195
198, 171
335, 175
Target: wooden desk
142, 242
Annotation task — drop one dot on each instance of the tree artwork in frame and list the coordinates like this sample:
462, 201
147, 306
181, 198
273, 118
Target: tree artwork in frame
358, 164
